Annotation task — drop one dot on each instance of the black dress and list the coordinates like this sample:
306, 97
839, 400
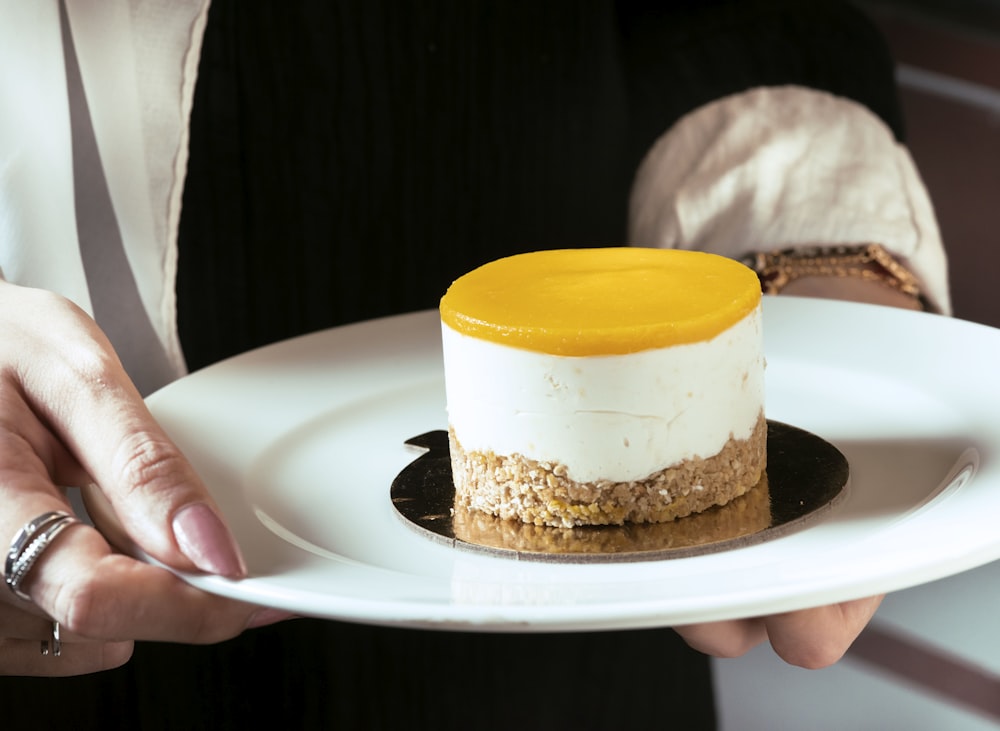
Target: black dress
349, 160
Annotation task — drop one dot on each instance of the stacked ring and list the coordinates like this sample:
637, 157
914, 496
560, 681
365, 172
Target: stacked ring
29, 544
56, 643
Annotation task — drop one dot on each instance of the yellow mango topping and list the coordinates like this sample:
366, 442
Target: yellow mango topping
580, 302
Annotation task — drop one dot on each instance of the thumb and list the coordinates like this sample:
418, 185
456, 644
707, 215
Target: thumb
152, 485
144, 484
75, 383
205, 543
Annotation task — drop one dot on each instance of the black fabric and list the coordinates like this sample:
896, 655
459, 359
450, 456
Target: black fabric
310, 674
348, 160
721, 47
356, 169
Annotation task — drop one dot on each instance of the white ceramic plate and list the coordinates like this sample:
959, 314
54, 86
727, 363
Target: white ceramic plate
300, 441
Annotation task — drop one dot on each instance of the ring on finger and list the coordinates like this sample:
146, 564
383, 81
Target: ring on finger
29, 544
55, 643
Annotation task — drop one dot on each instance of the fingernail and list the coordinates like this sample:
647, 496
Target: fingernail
204, 539
268, 616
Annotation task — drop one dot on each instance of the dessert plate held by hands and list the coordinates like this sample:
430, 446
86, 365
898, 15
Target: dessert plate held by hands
299, 442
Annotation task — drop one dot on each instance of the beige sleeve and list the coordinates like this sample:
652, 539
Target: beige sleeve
778, 167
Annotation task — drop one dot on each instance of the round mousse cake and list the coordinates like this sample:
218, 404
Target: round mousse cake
604, 386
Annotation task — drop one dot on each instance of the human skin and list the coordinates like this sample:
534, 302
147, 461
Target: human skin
70, 416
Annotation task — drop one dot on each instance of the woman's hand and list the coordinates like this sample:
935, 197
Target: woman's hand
69, 416
810, 638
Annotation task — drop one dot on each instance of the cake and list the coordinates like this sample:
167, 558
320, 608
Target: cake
604, 386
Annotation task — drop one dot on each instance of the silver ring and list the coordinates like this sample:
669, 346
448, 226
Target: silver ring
55, 643
29, 544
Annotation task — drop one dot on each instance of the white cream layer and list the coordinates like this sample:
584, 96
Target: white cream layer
611, 417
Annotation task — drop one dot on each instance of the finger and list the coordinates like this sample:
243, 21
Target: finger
817, 638
26, 495
24, 657
25, 622
152, 489
27, 445
103, 516
75, 384
31, 626
730, 638
95, 593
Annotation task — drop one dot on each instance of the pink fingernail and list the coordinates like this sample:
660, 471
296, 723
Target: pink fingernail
204, 539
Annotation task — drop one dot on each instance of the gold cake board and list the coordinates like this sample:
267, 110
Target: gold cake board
805, 477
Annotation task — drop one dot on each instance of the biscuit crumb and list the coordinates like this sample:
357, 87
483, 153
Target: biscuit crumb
541, 493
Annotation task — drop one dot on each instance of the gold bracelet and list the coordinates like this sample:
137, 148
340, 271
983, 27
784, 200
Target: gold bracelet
870, 262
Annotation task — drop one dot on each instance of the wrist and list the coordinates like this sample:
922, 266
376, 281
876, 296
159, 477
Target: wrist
851, 290
864, 273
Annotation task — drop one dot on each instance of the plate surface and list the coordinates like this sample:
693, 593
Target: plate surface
300, 441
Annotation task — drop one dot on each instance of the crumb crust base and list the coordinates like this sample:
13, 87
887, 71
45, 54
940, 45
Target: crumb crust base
514, 487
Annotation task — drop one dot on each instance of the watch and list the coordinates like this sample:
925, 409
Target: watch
871, 262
